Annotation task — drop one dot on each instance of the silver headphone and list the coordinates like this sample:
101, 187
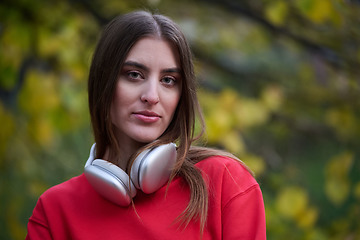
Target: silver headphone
150, 171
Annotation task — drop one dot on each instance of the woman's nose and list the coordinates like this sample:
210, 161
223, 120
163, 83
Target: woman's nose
150, 93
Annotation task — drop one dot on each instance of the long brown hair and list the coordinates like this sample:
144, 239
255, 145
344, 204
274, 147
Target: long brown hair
115, 42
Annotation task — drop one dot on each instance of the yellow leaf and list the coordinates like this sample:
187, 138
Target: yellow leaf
42, 131
16, 229
249, 113
357, 190
315, 234
322, 11
337, 186
227, 99
342, 120
233, 142
208, 101
318, 11
228, 37
276, 12
308, 218
37, 188
49, 43
291, 202
337, 190
272, 97
255, 163
7, 129
339, 165
40, 93
218, 124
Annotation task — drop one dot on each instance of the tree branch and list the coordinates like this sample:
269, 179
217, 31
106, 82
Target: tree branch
8, 97
326, 53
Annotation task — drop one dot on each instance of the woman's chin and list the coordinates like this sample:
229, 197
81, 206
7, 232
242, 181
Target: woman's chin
146, 139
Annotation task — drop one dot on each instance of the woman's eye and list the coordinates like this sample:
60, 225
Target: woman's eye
170, 81
134, 75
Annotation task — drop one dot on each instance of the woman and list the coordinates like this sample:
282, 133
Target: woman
142, 97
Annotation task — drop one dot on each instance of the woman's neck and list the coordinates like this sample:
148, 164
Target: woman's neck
122, 159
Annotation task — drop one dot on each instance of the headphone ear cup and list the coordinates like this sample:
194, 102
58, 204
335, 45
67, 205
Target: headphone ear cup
135, 169
152, 168
110, 181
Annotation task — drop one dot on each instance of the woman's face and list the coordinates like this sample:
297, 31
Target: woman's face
147, 92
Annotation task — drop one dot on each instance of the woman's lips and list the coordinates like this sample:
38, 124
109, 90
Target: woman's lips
147, 116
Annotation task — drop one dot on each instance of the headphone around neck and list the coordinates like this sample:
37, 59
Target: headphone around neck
149, 172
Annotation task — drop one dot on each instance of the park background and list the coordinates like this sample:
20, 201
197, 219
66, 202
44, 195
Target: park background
279, 86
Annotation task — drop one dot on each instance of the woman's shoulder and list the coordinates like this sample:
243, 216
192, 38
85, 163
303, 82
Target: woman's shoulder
227, 170
221, 163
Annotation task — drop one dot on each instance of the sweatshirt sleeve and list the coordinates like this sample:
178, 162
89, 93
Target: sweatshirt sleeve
37, 226
244, 216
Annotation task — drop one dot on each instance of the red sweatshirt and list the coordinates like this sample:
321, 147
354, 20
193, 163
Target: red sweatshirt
74, 210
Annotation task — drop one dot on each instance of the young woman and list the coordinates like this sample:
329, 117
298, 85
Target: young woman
142, 102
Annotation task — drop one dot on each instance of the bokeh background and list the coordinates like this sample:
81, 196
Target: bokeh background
279, 85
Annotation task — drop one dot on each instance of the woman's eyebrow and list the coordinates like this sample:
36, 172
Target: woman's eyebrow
136, 64
171, 70
143, 67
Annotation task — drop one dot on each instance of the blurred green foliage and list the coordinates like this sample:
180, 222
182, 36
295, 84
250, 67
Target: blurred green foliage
279, 88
